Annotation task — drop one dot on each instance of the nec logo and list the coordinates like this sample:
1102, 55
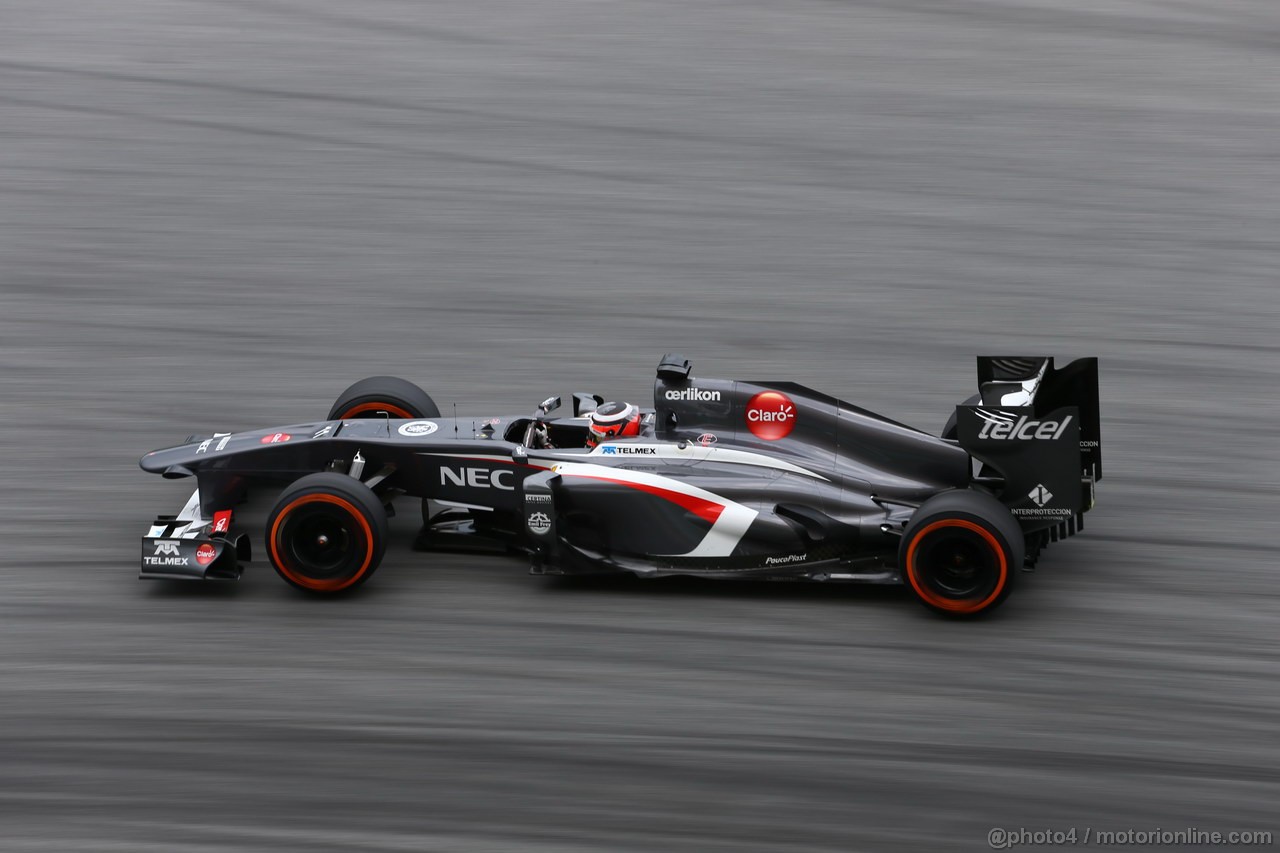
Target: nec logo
166, 549
477, 478
1002, 426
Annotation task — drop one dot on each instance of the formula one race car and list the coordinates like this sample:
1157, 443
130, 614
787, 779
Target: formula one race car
721, 478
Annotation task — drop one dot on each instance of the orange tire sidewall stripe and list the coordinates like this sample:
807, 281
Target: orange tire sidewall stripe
393, 411
948, 604
310, 583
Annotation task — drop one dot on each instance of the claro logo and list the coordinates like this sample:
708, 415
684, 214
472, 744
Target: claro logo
1002, 426
693, 395
478, 478
771, 415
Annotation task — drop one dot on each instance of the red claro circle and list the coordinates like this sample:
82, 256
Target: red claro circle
771, 415
205, 554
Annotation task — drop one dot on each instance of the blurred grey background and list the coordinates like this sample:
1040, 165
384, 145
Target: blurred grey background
215, 214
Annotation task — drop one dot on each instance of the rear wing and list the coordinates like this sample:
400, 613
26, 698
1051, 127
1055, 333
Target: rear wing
1037, 429
1015, 381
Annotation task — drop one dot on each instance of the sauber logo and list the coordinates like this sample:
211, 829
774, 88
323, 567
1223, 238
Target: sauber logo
694, 395
418, 428
771, 415
477, 478
1003, 426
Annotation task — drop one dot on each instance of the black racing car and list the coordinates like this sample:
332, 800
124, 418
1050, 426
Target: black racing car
726, 479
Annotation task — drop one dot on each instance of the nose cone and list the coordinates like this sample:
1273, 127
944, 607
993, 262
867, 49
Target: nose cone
170, 462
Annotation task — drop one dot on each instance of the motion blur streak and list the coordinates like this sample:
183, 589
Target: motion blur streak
215, 214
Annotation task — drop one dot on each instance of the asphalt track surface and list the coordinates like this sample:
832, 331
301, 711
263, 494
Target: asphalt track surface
215, 214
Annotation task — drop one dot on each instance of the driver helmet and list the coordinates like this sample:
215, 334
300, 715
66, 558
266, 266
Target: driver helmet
613, 420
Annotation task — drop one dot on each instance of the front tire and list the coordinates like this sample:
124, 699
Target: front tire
961, 553
399, 398
327, 533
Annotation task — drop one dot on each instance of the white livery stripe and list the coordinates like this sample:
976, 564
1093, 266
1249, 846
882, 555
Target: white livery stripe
725, 533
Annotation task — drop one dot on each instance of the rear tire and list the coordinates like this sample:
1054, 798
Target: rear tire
327, 533
399, 398
961, 553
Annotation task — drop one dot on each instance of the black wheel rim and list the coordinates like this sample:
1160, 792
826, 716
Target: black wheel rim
957, 564
323, 542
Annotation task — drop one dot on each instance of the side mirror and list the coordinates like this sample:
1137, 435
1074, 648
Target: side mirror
549, 405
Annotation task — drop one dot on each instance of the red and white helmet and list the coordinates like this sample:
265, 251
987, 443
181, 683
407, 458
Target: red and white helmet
613, 420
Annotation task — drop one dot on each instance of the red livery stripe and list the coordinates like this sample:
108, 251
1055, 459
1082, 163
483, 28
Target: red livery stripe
698, 506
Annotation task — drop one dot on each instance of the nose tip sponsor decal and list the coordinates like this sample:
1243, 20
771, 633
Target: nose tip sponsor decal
204, 445
771, 415
275, 438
